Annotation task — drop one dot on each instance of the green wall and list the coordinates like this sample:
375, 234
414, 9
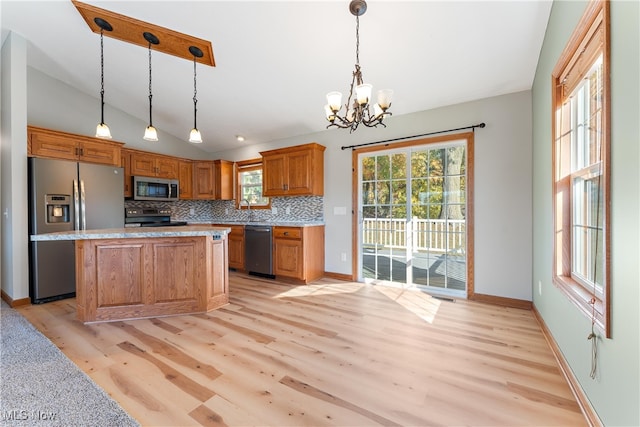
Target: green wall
615, 392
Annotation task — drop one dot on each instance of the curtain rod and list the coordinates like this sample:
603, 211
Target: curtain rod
472, 127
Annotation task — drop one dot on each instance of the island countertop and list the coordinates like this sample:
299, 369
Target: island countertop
134, 232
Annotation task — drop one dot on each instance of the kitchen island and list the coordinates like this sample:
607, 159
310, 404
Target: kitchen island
129, 273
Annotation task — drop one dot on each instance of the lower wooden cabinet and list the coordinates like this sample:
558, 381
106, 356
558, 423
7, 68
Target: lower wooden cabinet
146, 277
298, 252
236, 245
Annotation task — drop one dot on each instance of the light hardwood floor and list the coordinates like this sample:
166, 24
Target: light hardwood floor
328, 353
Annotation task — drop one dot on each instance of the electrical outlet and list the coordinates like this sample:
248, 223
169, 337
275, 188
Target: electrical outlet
539, 287
343, 257
287, 210
274, 211
192, 211
226, 211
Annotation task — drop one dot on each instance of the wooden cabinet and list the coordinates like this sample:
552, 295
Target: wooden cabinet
236, 245
224, 179
185, 175
155, 165
67, 146
213, 180
125, 163
298, 252
146, 277
203, 180
293, 171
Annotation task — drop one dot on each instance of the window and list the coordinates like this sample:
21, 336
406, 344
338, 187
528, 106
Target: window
581, 169
250, 185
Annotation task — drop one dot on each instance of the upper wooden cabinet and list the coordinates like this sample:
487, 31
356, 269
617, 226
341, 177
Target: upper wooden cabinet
125, 163
224, 188
213, 180
203, 180
293, 171
156, 165
185, 173
68, 146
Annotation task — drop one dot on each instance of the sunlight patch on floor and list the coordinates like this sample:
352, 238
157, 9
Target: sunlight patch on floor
417, 302
322, 289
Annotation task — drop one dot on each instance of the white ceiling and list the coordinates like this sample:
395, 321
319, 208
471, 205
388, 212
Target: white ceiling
276, 60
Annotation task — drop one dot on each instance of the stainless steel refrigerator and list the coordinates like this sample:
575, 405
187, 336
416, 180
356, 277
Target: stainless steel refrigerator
63, 196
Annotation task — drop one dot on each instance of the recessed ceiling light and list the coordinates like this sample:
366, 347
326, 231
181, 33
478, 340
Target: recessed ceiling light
239, 138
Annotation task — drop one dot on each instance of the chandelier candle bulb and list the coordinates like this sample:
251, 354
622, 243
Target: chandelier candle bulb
334, 99
363, 93
377, 111
384, 98
329, 113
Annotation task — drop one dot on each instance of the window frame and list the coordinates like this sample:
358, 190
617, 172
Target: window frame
590, 38
245, 166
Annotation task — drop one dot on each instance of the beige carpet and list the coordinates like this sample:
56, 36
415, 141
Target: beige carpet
40, 386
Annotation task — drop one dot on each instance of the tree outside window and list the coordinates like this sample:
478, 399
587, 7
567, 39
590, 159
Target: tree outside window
250, 186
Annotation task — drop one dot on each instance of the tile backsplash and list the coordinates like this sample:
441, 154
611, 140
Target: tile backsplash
303, 208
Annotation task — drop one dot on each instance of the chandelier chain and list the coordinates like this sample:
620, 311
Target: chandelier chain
357, 40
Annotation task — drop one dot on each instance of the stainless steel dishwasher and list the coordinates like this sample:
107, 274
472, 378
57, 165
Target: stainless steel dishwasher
257, 249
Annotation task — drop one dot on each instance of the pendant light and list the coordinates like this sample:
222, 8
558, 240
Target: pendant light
195, 135
102, 130
150, 133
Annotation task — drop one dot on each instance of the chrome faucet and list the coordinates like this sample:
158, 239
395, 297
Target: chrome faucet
248, 209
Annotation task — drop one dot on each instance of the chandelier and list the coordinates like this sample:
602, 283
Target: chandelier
358, 108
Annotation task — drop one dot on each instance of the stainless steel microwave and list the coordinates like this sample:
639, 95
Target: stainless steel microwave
158, 189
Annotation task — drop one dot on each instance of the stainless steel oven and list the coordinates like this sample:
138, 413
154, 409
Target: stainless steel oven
158, 189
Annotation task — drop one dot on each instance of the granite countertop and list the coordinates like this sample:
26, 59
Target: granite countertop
134, 232
263, 223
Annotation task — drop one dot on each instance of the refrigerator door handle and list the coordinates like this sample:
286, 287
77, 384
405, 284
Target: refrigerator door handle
76, 205
83, 205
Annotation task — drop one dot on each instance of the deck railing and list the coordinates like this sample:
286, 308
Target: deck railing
435, 235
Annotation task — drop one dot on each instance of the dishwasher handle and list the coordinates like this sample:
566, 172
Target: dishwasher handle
259, 229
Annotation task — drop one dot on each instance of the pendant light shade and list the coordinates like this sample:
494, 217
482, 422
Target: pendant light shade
150, 133
102, 130
194, 135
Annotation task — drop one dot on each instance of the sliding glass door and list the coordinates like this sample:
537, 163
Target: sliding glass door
412, 222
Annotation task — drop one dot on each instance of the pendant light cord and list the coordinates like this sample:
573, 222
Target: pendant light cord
150, 95
195, 93
102, 76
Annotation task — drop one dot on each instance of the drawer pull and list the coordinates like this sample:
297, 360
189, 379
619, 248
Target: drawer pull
286, 233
